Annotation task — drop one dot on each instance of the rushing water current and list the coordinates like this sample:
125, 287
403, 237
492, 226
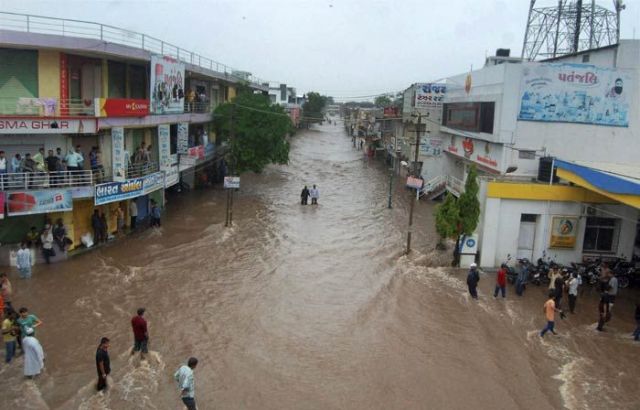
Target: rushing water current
310, 307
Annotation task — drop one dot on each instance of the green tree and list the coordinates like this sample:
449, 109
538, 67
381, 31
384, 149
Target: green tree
447, 218
383, 101
260, 131
313, 108
468, 203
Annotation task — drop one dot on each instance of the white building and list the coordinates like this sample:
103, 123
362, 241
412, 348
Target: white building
505, 118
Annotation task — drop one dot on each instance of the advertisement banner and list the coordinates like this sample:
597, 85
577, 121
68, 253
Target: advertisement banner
121, 107
172, 176
577, 93
563, 231
197, 152
431, 147
130, 188
164, 147
183, 138
1, 205
117, 154
415, 183
42, 126
38, 202
167, 85
232, 182
429, 95
484, 153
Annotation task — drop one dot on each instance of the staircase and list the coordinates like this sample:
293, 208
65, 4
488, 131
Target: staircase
440, 184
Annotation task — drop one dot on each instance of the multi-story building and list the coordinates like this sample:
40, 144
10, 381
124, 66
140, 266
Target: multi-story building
140, 106
556, 145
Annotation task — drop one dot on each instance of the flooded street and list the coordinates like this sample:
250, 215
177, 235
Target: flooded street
309, 308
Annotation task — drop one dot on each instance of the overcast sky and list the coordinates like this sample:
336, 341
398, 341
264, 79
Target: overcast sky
344, 48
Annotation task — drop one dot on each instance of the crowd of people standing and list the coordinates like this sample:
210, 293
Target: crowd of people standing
560, 283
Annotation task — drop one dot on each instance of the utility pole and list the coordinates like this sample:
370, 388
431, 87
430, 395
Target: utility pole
232, 133
415, 174
393, 163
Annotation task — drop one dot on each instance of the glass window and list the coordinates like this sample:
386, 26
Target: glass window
527, 154
528, 217
601, 234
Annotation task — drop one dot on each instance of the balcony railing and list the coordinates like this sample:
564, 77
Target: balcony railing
46, 107
85, 29
137, 170
20, 181
198, 107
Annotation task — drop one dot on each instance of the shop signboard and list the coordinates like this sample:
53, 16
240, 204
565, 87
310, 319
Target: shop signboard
22, 125
575, 93
121, 107
484, 153
38, 202
187, 162
82, 192
415, 183
171, 175
1, 205
430, 146
167, 85
183, 138
197, 152
232, 182
429, 95
130, 188
164, 147
118, 159
563, 231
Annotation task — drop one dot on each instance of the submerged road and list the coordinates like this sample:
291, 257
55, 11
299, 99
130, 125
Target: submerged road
310, 307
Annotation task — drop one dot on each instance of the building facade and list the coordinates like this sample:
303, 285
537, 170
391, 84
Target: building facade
127, 119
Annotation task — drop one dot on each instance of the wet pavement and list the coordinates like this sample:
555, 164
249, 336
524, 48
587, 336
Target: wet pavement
310, 307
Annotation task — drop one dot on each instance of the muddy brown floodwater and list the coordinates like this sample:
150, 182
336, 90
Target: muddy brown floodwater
310, 308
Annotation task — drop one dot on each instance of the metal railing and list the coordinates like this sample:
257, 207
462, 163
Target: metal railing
198, 107
90, 30
136, 170
46, 107
19, 181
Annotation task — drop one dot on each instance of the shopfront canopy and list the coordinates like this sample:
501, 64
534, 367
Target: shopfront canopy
620, 182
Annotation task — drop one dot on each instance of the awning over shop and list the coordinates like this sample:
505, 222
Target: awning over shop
616, 181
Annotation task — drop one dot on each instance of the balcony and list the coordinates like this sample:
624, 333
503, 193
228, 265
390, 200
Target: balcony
46, 107
198, 107
23, 181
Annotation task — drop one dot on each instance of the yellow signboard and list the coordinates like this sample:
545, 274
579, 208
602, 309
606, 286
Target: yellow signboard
563, 231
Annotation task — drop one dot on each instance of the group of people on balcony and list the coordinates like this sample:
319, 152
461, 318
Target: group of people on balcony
50, 169
196, 101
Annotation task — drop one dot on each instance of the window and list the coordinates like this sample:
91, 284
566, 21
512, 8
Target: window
526, 154
138, 82
585, 58
528, 217
476, 117
601, 235
117, 80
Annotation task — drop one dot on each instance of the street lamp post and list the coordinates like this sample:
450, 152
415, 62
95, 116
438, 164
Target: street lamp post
415, 172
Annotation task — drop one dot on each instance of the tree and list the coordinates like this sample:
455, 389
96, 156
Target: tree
313, 108
468, 203
447, 217
260, 131
383, 101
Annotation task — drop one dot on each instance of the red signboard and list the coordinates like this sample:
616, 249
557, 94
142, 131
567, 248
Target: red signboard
197, 152
123, 107
64, 84
391, 112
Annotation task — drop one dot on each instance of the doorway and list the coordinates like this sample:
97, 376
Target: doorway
527, 236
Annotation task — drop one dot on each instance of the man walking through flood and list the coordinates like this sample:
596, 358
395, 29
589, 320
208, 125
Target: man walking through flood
33, 354
501, 281
472, 280
550, 310
186, 383
140, 334
103, 363
315, 195
304, 195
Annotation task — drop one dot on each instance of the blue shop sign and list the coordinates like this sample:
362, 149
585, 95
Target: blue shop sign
131, 188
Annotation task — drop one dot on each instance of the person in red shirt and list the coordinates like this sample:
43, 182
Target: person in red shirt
140, 334
501, 281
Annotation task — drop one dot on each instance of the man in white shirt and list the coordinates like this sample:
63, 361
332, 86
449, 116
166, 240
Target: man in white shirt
133, 214
572, 284
186, 383
315, 195
23, 261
